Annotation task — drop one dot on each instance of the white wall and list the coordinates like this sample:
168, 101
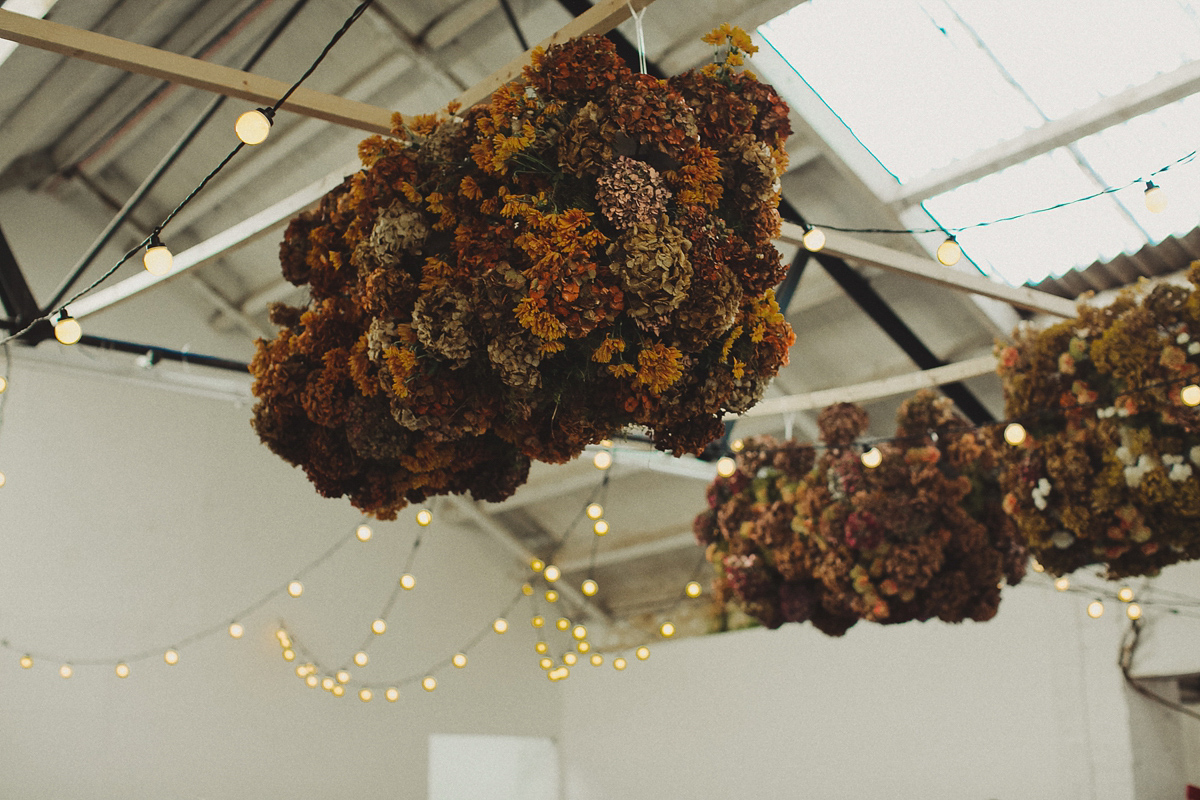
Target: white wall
1024, 707
133, 517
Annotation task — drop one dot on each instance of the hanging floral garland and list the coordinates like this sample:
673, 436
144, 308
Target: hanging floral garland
1108, 473
589, 250
799, 537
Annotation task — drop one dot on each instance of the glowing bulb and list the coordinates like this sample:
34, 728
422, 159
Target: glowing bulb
583, 646
67, 329
360, 658
3, 384
1062, 584
282, 636
253, 126
1037, 566
1133, 611
289, 654
327, 683
365, 695
546, 663
537, 565
619, 663
122, 670
813, 239
552, 573
301, 670
579, 633
157, 258
1190, 395
949, 252
295, 588
3, 480
407, 581
1125, 594
872, 458
589, 588
527, 589
667, 629
569, 659
601, 527
26, 662
562, 623
594, 511
642, 653
171, 657
378, 626
558, 674
551, 596
363, 533
459, 660
1014, 433
429, 683
538, 621
66, 671
392, 694
1155, 197
1095, 609
596, 659
737, 445
424, 517
541, 648
236, 630
342, 676
311, 681
500, 625
726, 466
338, 690
602, 460
693, 589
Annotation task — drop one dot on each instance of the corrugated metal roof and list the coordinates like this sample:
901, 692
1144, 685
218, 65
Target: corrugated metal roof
1170, 255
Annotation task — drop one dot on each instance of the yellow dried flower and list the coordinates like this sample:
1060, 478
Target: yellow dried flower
659, 366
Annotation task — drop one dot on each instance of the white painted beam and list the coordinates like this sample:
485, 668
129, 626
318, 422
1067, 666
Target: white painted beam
1110, 111
846, 246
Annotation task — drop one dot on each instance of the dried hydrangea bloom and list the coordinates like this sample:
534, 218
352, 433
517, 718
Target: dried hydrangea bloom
653, 268
631, 192
441, 318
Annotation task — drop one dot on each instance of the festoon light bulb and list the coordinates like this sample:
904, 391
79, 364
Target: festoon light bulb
949, 252
157, 259
67, 329
1155, 197
813, 240
253, 126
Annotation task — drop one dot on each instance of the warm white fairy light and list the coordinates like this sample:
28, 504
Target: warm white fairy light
596, 659
579, 633
541, 648
583, 646
589, 588
365, 694
379, 627
642, 653
1155, 198
872, 458
602, 460
1014, 433
424, 517
1190, 395
236, 630
338, 690
619, 663
1036, 565
171, 657
67, 329
562, 623
949, 252
26, 662
500, 625
361, 659
66, 670
667, 629
551, 596
459, 660
1062, 584
813, 240
546, 663
1133, 611
327, 683
429, 683
693, 589
1095, 609
551, 573
726, 466
289, 654
595, 511
252, 127
343, 676
363, 533
737, 445
295, 588
558, 674
600, 527
407, 581
536, 564
1125, 594
157, 258
311, 681
122, 670
392, 694
527, 589
537, 621
569, 659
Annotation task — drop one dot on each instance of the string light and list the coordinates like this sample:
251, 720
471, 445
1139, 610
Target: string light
737, 445
1125, 594
295, 588
3, 479
1036, 565
726, 466
236, 630
500, 625
693, 589
537, 565
949, 252
392, 694
642, 653
527, 589
551, 596
363, 533
424, 517
579, 633
327, 683
594, 510
583, 646
67, 329
343, 676
667, 629
338, 690
122, 670
545, 663
872, 458
378, 627
311, 681
253, 126
589, 588
1190, 395
1095, 609
1133, 611
171, 657
3, 384
538, 621
541, 648
289, 654
596, 659
570, 659
1014, 433
562, 623
157, 259
365, 694
1062, 584
407, 581
1155, 197
558, 674
66, 671
619, 663
813, 239
361, 659
602, 460
552, 573
26, 662
459, 660
600, 528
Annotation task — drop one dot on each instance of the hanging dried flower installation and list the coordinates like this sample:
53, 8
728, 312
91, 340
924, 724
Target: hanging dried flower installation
589, 250
796, 536
1110, 470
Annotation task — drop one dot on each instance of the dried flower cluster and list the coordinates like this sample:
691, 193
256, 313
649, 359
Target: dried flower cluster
1110, 471
796, 536
589, 250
